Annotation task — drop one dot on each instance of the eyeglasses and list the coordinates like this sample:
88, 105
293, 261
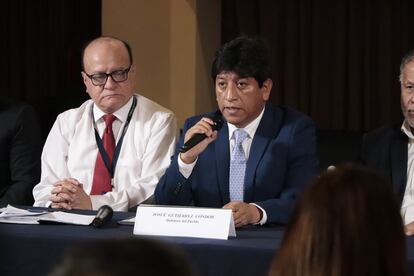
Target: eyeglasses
101, 78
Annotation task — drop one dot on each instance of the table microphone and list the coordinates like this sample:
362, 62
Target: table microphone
103, 215
198, 137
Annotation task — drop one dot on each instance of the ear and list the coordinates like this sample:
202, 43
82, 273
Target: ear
266, 88
84, 77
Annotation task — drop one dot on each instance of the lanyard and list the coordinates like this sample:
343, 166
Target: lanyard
111, 167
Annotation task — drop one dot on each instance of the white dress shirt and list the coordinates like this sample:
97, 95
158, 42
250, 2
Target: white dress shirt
407, 206
186, 169
70, 151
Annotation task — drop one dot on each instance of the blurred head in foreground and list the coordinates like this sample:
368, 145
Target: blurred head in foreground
129, 256
346, 223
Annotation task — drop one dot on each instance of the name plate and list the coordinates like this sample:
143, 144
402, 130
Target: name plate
213, 223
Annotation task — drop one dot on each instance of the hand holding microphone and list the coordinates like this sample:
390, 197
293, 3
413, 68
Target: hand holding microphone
198, 137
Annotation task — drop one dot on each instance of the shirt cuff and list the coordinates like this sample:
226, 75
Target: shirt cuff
185, 169
264, 215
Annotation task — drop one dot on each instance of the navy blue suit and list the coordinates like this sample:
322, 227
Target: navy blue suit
281, 162
386, 151
20, 149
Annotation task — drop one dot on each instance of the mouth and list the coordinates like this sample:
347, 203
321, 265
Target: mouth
110, 95
231, 109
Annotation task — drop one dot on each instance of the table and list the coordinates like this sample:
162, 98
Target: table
34, 249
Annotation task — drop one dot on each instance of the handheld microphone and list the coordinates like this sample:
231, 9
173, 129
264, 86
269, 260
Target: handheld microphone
103, 215
198, 137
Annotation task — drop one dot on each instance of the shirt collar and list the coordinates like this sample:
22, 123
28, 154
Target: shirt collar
121, 114
250, 128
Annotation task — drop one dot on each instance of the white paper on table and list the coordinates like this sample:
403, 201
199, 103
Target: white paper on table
20, 220
68, 218
11, 211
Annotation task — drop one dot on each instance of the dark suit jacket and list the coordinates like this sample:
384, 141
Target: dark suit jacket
385, 150
20, 149
281, 162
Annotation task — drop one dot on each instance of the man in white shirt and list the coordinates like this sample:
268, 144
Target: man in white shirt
89, 160
390, 149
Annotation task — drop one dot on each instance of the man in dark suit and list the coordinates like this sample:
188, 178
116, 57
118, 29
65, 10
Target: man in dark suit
390, 149
20, 147
260, 160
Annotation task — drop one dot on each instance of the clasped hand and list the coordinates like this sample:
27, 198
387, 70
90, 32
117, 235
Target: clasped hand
243, 213
69, 194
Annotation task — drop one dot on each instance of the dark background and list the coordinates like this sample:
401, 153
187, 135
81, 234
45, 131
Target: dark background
40, 52
335, 60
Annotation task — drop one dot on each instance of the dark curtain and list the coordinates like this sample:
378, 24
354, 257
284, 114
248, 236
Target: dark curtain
335, 60
40, 52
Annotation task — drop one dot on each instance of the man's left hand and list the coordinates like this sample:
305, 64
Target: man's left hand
243, 213
81, 200
409, 229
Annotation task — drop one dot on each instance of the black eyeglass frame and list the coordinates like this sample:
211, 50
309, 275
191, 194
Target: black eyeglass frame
125, 71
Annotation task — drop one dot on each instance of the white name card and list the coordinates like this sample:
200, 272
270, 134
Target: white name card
213, 223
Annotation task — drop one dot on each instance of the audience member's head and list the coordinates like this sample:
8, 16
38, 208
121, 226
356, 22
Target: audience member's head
346, 223
128, 256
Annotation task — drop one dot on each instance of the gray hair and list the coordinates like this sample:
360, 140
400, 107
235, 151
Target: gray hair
406, 59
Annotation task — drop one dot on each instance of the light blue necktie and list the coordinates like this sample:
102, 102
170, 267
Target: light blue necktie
237, 167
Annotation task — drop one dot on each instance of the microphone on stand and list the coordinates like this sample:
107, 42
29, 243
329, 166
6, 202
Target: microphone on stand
198, 137
103, 215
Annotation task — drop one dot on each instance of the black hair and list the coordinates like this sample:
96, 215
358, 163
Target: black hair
245, 56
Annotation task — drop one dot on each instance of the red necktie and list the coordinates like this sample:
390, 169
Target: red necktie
101, 177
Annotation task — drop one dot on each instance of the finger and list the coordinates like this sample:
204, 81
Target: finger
62, 205
69, 187
240, 222
61, 197
73, 181
204, 126
207, 120
228, 206
59, 183
56, 199
64, 189
55, 205
67, 197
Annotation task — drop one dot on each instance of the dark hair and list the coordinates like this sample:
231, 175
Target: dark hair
247, 57
347, 223
127, 256
126, 44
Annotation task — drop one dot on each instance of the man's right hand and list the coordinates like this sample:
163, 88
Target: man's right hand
63, 191
204, 126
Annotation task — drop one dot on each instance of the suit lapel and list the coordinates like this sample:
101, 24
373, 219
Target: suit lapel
222, 155
399, 151
271, 121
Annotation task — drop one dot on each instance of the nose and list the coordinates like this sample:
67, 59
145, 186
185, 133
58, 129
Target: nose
110, 83
231, 92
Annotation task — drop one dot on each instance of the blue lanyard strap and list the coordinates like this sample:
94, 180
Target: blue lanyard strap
102, 151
